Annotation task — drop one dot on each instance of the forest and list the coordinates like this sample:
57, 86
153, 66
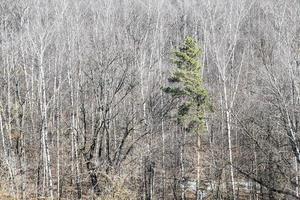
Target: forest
149, 99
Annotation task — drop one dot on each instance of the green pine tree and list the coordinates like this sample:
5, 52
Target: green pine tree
186, 83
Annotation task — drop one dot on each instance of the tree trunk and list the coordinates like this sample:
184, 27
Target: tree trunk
228, 127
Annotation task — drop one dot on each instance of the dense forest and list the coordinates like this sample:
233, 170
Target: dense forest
150, 99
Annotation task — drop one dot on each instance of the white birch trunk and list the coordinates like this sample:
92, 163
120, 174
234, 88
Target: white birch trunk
228, 127
43, 102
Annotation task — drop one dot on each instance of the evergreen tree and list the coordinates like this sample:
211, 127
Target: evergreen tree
186, 83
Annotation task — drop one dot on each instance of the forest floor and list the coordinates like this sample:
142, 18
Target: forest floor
5, 196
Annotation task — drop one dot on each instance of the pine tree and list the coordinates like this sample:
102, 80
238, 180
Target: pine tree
186, 83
